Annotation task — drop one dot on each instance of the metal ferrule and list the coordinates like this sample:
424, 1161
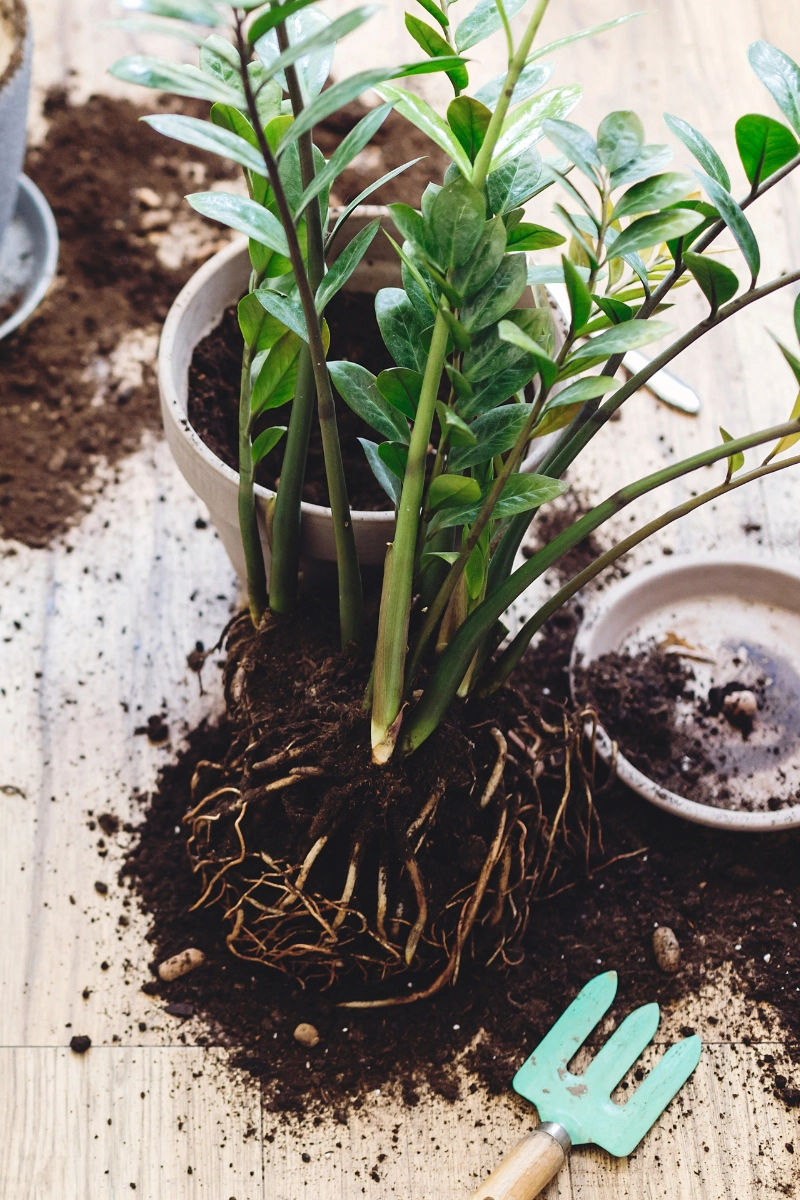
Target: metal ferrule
557, 1132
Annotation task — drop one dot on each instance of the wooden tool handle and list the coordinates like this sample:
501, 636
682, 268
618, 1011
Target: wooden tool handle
525, 1170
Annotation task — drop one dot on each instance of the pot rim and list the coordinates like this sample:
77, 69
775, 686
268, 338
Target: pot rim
648, 789
19, 25
170, 396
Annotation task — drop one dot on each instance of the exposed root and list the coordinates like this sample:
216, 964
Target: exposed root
497, 770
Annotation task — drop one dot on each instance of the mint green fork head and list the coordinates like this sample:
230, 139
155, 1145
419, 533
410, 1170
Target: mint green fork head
582, 1104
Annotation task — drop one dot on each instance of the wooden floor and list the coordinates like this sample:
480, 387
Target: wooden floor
94, 637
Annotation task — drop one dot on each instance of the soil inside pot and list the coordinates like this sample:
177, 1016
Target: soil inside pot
726, 897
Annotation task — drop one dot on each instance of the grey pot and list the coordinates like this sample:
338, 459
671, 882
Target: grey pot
15, 82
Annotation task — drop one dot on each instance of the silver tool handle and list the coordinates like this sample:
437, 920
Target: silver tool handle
528, 1167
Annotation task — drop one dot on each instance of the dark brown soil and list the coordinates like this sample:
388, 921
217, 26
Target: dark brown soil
727, 897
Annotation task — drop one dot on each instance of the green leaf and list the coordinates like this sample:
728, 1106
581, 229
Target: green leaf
520, 494
361, 197
206, 136
458, 215
475, 572
629, 336
260, 329
238, 212
790, 439
483, 21
420, 286
650, 161
497, 296
546, 366
401, 388
551, 274
495, 389
780, 75
179, 79
351, 145
580, 299
657, 227
494, 433
736, 461
526, 236
401, 328
411, 225
578, 145
278, 375
797, 317
196, 12
267, 440
457, 432
273, 16
447, 490
225, 116
386, 478
531, 80
489, 355
395, 456
717, 282
764, 146
469, 120
791, 359
736, 221
357, 387
659, 191
484, 260
288, 311
460, 384
588, 388
559, 44
515, 182
701, 148
461, 337
615, 310
338, 275
620, 137
433, 10
420, 114
435, 45
524, 124
311, 36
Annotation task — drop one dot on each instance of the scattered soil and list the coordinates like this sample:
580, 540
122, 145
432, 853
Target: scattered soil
77, 385
728, 899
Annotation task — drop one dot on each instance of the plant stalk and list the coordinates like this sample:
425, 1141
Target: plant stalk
248, 519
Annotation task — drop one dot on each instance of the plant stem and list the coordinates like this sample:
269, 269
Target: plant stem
484, 157
351, 604
509, 659
248, 520
390, 653
453, 664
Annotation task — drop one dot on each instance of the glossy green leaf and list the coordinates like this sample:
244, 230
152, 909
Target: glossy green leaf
620, 137
593, 31
469, 120
460, 384
411, 225
290, 312
498, 295
484, 260
196, 12
358, 388
177, 78
267, 440
401, 328
591, 387
531, 80
520, 494
631, 335
614, 309
546, 366
447, 490
457, 432
764, 146
526, 236
433, 10
659, 191
386, 478
717, 282
736, 221
420, 287
419, 113
458, 215
657, 227
273, 16
701, 148
791, 359
395, 456
580, 299
260, 330
206, 136
552, 274
488, 356
338, 275
351, 145
401, 388
515, 182
459, 335
483, 21
780, 76
278, 375
312, 39
577, 144
243, 214
650, 161
736, 461
225, 116
495, 433
435, 45
524, 124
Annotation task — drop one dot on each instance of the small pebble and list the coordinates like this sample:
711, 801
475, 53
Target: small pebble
667, 950
101, 888
148, 198
179, 964
740, 706
80, 1043
306, 1034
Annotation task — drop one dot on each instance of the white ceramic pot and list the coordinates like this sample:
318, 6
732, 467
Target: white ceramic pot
15, 78
739, 615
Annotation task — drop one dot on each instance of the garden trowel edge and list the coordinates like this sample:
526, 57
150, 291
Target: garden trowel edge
578, 1110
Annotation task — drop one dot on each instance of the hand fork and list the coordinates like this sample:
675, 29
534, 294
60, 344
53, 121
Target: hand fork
578, 1110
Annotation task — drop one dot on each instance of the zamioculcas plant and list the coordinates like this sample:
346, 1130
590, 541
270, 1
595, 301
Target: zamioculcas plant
477, 379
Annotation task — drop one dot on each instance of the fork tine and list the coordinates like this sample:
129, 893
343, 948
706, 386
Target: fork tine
621, 1050
654, 1094
576, 1022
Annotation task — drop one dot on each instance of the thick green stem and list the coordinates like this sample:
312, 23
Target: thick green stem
390, 653
248, 520
511, 656
453, 664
